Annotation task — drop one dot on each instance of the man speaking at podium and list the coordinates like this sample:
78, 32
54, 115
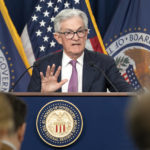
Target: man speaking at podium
75, 69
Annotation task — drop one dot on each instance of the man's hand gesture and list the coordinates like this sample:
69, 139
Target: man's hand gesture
49, 82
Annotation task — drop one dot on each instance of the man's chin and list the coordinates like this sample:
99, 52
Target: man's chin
77, 54
74, 53
77, 49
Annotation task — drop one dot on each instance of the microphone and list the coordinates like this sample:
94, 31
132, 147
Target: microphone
13, 87
106, 77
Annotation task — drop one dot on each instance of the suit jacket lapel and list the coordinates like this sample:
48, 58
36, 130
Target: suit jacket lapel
89, 72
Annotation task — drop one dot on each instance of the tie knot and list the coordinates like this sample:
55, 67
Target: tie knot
73, 62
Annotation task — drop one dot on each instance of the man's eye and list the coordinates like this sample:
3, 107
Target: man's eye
80, 31
67, 33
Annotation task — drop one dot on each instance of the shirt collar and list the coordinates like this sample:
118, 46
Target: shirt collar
9, 144
80, 59
66, 59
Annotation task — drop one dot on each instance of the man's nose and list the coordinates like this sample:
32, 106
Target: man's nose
75, 37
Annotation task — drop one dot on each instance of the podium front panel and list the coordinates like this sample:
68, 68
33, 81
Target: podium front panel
104, 122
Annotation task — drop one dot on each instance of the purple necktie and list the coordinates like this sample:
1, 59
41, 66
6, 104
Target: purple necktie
73, 83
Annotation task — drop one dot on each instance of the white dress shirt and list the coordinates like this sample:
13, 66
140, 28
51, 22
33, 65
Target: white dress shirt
67, 71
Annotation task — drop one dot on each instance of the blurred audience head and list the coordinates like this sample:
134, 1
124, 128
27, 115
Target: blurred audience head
6, 116
17, 116
139, 121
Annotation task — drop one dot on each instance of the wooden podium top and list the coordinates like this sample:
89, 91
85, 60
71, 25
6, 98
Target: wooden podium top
74, 94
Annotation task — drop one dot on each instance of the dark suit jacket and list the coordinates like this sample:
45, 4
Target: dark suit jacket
95, 65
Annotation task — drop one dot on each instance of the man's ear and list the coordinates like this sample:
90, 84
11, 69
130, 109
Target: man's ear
58, 38
86, 34
21, 132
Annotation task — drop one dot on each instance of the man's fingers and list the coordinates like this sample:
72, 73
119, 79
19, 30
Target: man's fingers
62, 82
42, 76
48, 71
58, 72
52, 70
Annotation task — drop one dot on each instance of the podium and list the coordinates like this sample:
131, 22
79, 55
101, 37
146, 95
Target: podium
104, 120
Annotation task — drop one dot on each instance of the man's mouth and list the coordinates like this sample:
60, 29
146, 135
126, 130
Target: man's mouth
75, 44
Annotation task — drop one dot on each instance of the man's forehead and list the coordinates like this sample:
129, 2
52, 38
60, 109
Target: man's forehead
72, 29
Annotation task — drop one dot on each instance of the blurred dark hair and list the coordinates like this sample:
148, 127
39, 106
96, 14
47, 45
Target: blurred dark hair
139, 121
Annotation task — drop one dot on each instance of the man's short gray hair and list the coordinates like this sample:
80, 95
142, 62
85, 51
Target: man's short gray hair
69, 13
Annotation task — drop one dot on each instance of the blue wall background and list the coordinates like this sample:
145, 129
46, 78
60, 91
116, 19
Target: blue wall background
21, 10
